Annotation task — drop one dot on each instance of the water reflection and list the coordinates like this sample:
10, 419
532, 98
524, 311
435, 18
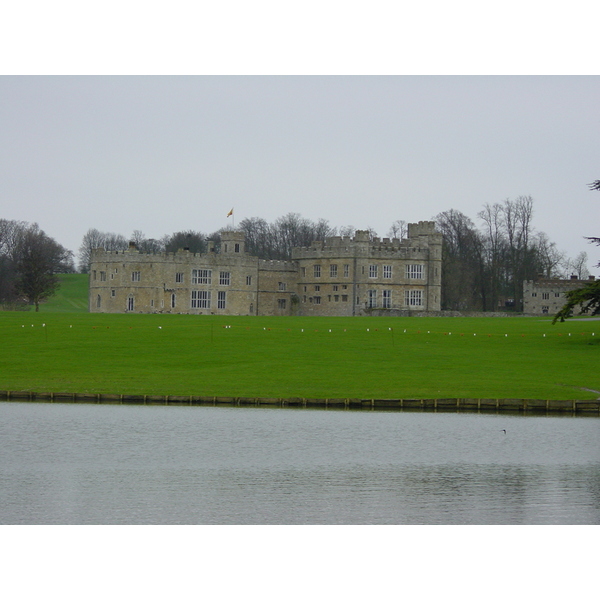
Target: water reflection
90, 464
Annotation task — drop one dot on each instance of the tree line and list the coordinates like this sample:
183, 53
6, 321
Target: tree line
483, 266
30, 261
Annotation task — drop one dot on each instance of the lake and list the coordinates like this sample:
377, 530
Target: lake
115, 464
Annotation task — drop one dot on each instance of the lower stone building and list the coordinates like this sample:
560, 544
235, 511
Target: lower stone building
548, 296
341, 276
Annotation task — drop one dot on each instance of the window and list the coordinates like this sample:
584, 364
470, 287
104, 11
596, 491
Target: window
387, 271
317, 270
344, 297
130, 303
545, 295
224, 278
414, 271
557, 294
200, 299
94, 275
545, 309
335, 288
317, 299
303, 271
178, 277
221, 299
113, 293
281, 303
534, 294
372, 271
346, 270
281, 286
248, 279
332, 270
387, 298
372, 299
201, 276
102, 275
317, 288
173, 300
336, 298
98, 301
135, 276
236, 248
413, 297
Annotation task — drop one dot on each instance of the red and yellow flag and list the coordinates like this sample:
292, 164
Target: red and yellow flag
230, 212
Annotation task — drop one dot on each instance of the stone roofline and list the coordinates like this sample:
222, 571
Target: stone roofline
556, 281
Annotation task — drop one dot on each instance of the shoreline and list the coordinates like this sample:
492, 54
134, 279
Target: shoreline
515, 405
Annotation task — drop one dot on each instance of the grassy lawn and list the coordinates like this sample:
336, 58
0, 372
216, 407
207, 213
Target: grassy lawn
56, 351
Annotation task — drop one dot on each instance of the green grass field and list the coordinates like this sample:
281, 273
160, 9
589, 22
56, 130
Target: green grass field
368, 357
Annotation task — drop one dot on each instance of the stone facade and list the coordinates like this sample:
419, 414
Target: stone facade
547, 296
342, 276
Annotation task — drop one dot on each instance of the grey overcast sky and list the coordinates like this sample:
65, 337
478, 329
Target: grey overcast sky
165, 153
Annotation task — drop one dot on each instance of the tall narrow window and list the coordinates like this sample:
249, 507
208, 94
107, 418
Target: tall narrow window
387, 298
178, 277
333, 271
173, 300
317, 270
248, 279
135, 276
387, 271
346, 270
372, 271
130, 303
221, 299
372, 299
99, 301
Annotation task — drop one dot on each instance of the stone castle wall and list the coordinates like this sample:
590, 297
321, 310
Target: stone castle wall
339, 277
548, 296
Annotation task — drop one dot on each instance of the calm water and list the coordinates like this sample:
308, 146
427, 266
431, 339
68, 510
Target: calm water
89, 464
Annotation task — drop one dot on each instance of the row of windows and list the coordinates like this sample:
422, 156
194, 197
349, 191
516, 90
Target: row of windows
200, 299
411, 298
204, 276
411, 271
546, 295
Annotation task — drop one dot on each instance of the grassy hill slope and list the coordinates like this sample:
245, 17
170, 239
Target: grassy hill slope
72, 296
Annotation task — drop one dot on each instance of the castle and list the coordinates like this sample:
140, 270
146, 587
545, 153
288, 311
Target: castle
341, 276
547, 296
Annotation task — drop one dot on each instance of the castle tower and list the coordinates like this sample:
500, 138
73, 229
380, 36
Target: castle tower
233, 242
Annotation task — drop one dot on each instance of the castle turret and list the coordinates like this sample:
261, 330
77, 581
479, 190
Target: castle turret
233, 242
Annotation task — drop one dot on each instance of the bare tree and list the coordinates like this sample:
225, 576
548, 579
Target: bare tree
95, 239
398, 229
578, 265
194, 241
